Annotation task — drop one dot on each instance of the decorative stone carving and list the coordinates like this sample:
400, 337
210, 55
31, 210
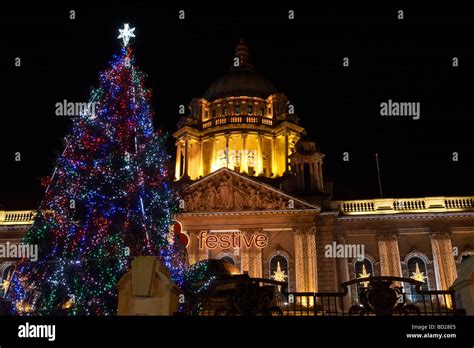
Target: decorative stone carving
227, 191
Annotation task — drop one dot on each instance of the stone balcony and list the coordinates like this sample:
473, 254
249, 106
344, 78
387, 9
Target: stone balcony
17, 217
243, 119
404, 205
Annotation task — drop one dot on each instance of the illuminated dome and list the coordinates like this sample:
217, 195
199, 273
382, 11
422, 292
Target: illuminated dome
242, 80
243, 115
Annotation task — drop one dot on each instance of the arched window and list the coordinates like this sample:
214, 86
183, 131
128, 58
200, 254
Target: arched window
237, 109
279, 268
222, 156
363, 269
417, 270
224, 110
228, 259
251, 161
235, 160
6, 270
249, 108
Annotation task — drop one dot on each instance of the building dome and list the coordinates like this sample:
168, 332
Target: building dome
241, 80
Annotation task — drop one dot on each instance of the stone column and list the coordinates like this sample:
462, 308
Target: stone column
301, 176
213, 155
260, 155
444, 264
194, 253
305, 260
186, 156
311, 270
320, 172
201, 169
255, 269
312, 177
389, 255
287, 144
299, 261
203, 253
245, 166
343, 275
250, 258
244, 260
177, 173
315, 176
274, 170
227, 154
326, 265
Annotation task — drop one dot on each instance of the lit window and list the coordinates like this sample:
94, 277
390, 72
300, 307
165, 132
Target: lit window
363, 269
6, 273
251, 158
221, 158
417, 271
279, 269
235, 157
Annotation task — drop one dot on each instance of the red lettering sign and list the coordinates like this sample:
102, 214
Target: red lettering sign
233, 240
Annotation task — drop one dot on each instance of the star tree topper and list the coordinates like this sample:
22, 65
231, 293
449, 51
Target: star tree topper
126, 33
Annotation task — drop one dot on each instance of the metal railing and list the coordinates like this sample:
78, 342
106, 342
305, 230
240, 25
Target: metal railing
380, 296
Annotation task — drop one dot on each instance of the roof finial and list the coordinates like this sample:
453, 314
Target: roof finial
242, 53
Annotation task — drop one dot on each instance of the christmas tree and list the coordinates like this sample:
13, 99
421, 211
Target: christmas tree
107, 200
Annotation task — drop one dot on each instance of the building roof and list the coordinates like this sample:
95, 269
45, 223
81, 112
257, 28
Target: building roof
241, 80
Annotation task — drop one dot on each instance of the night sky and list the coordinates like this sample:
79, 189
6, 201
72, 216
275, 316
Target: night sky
406, 60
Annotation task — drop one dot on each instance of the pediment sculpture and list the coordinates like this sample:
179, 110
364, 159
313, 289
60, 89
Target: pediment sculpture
227, 191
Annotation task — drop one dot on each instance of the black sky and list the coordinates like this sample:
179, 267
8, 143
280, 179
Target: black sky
407, 61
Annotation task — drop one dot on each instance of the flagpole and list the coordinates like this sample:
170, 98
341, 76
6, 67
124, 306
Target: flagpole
378, 174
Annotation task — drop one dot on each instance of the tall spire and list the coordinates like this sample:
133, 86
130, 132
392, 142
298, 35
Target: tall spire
242, 53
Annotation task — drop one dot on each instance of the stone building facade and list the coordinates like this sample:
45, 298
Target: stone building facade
253, 194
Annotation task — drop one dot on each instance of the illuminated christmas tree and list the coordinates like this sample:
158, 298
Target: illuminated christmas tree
107, 201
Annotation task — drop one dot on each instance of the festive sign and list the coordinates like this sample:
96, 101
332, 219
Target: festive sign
234, 240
